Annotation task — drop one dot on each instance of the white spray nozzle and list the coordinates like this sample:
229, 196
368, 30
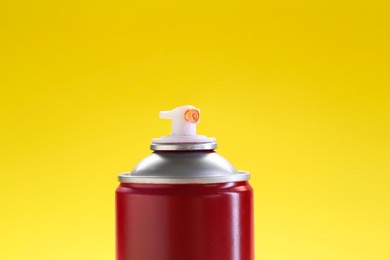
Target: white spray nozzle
184, 120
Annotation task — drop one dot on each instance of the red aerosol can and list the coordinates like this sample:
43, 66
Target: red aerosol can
184, 201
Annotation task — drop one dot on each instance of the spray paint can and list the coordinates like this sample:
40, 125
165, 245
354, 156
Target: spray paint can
184, 201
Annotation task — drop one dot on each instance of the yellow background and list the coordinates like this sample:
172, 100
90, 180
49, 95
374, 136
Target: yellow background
296, 92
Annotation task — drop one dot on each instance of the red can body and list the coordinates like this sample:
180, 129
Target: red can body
184, 221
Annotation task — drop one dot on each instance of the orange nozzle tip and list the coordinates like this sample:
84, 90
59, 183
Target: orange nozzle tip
192, 115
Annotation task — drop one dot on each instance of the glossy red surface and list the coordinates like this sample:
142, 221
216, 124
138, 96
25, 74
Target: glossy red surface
184, 221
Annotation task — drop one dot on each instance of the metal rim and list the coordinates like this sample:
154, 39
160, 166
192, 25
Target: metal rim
183, 146
239, 176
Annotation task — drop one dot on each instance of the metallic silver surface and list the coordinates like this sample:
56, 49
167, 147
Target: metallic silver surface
239, 176
183, 146
183, 168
